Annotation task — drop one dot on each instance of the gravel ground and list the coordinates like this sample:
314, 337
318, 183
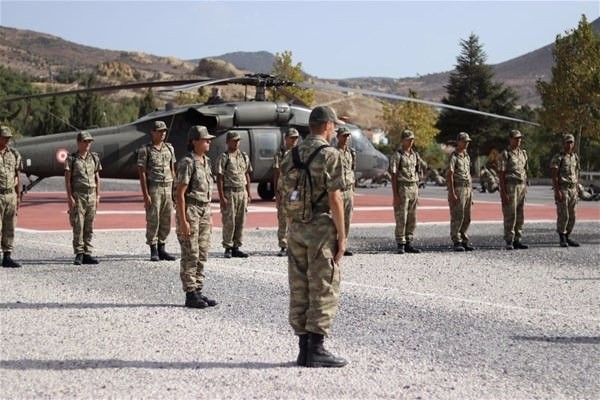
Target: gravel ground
491, 324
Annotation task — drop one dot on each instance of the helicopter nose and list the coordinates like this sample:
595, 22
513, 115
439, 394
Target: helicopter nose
382, 162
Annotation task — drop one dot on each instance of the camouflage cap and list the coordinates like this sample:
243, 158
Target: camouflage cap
407, 134
84, 136
292, 132
342, 130
159, 126
568, 138
233, 135
5, 131
463, 136
198, 132
515, 134
323, 114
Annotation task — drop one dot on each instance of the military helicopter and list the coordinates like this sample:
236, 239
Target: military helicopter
260, 123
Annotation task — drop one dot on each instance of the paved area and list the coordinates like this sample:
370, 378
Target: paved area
491, 324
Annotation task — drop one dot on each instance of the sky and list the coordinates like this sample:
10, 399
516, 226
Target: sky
332, 39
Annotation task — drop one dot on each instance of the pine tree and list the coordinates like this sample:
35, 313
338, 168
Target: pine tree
147, 103
284, 68
87, 111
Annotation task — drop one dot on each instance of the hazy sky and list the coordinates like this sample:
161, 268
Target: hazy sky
333, 39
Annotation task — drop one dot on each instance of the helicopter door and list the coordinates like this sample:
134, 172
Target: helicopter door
265, 142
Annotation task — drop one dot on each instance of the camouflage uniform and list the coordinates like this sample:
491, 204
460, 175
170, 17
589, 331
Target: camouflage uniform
348, 158
282, 223
314, 277
11, 165
234, 168
514, 165
460, 212
406, 166
83, 188
194, 250
568, 173
158, 164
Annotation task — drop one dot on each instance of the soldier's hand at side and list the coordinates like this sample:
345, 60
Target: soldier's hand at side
185, 230
71, 203
341, 250
558, 196
249, 198
223, 203
147, 201
396, 201
504, 197
452, 198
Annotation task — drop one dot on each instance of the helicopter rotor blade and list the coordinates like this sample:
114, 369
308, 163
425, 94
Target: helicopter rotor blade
411, 99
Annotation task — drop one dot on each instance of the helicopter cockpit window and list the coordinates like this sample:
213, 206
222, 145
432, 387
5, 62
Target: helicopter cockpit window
266, 142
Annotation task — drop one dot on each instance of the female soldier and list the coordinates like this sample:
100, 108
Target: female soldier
194, 225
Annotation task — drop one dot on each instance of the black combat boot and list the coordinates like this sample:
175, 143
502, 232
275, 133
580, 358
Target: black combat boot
400, 248
318, 357
563, 240
236, 252
78, 259
282, 252
348, 253
209, 302
303, 346
88, 259
467, 246
458, 247
227, 253
8, 262
193, 301
570, 242
153, 252
163, 255
517, 244
410, 249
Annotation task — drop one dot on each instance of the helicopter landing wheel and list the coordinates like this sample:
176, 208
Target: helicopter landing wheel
266, 191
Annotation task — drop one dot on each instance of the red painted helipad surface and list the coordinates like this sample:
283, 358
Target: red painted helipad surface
124, 210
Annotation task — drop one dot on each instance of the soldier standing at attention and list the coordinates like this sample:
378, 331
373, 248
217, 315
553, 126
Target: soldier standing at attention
349, 165
460, 193
9, 195
194, 223
513, 187
156, 167
291, 140
565, 173
317, 247
233, 183
82, 181
405, 167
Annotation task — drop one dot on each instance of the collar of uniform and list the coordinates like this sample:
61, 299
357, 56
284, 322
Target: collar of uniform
315, 138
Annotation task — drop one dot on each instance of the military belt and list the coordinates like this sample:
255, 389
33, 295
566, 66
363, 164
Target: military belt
7, 191
402, 183
195, 202
462, 184
345, 189
160, 184
566, 185
84, 191
234, 189
515, 181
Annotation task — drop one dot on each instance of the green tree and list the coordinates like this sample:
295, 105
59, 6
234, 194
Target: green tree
87, 111
571, 100
471, 86
284, 68
147, 103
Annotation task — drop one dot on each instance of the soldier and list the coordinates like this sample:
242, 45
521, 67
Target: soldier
460, 193
233, 183
82, 181
291, 140
156, 167
194, 223
513, 187
405, 169
316, 247
9, 195
349, 165
565, 173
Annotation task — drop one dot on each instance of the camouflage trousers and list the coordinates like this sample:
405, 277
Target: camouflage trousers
314, 277
81, 218
406, 213
460, 214
348, 199
565, 210
8, 217
233, 218
513, 211
281, 228
194, 250
158, 215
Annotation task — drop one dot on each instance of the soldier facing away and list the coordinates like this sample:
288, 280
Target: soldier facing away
565, 174
460, 193
233, 183
405, 169
291, 140
194, 223
82, 181
348, 157
9, 195
156, 168
316, 247
513, 188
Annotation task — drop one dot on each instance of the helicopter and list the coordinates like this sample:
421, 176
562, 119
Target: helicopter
261, 125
